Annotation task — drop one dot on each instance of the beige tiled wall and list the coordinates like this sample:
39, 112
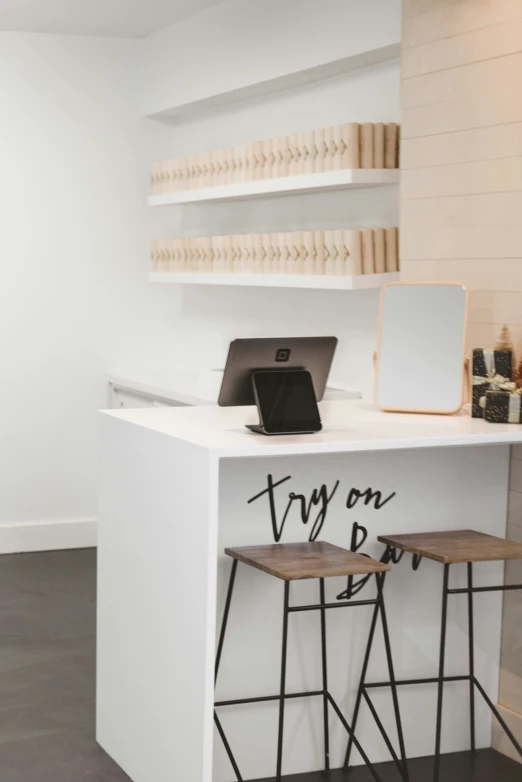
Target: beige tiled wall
461, 204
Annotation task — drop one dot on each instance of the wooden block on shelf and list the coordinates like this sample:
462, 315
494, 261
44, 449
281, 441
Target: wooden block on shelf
173, 255
154, 255
286, 156
164, 176
235, 252
291, 157
206, 249
246, 253
308, 152
368, 253
391, 237
227, 254
322, 150
379, 247
295, 263
330, 253
199, 170
281, 254
259, 160
217, 167
268, 153
168, 184
302, 151
367, 144
182, 174
350, 155
187, 254
336, 147
216, 253
204, 169
329, 148
379, 145
341, 252
276, 158
352, 241
155, 178
319, 252
250, 168
391, 159
308, 252
240, 156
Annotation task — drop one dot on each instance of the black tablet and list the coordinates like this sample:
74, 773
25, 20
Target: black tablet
286, 401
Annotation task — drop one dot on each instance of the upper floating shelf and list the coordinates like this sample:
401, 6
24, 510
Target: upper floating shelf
214, 102
343, 179
312, 281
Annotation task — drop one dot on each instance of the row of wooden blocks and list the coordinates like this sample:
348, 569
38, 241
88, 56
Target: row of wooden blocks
352, 145
341, 252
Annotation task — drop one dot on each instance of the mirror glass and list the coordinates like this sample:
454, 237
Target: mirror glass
420, 356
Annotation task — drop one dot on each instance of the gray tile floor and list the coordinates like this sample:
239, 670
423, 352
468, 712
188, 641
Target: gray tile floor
47, 670
47, 679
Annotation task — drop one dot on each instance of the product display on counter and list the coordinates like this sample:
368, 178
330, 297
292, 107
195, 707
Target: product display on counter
503, 406
487, 365
346, 146
338, 252
497, 382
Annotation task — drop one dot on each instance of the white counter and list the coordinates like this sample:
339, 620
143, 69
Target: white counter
347, 426
179, 485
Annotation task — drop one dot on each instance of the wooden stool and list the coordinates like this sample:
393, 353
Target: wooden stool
449, 548
295, 561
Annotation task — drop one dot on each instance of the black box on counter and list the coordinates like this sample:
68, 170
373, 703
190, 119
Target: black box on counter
486, 365
503, 408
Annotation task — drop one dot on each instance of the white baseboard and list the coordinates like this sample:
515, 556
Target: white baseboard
47, 535
500, 740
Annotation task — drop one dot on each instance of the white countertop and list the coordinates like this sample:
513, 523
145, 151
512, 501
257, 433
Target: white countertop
347, 426
192, 388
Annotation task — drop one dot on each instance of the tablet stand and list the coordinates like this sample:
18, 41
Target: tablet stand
291, 424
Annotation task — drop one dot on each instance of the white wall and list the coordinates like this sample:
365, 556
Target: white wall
242, 42
75, 158
73, 268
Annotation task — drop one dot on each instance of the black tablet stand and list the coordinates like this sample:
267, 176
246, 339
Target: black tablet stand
291, 424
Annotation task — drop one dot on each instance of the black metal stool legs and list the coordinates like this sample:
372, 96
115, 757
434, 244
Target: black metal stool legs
471, 631
378, 603
402, 765
283, 683
442, 659
325, 678
395, 696
216, 669
441, 679
361, 683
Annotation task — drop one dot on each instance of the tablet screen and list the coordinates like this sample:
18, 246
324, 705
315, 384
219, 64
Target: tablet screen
287, 401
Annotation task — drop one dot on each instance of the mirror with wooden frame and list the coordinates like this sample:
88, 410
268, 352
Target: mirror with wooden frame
420, 361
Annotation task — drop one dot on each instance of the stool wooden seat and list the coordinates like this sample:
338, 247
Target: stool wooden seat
296, 561
464, 545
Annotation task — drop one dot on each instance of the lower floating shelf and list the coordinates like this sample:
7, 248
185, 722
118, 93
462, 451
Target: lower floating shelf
312, 281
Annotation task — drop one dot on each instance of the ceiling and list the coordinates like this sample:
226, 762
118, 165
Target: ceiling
114, 18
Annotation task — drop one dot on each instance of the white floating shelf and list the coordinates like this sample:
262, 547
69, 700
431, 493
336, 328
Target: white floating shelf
343, 179
216, 101
312, 281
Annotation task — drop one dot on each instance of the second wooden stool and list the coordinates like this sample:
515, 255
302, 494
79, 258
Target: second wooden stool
450, 548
